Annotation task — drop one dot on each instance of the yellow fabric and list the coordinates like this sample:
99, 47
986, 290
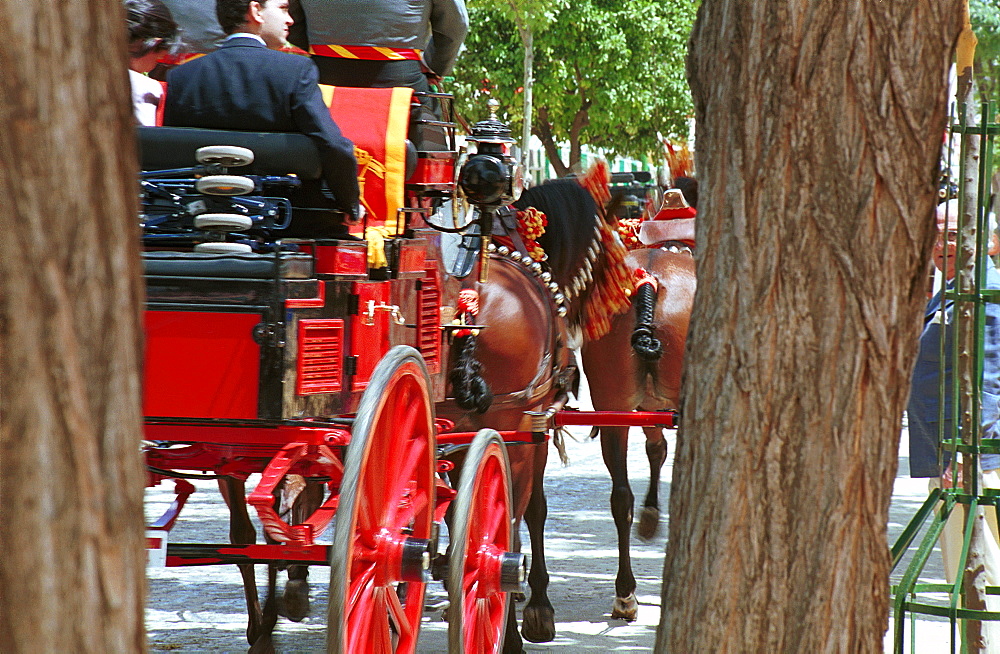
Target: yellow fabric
376, 245
327, 92
343, 52
389, 54
395, 152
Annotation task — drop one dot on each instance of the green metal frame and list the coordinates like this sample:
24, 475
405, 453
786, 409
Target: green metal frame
906, 594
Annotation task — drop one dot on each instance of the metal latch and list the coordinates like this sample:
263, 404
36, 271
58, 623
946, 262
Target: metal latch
368, 317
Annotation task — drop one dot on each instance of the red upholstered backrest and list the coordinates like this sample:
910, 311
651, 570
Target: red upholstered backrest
377, 121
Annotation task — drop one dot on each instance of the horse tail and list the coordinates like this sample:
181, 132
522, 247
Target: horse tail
645, 344
472, 393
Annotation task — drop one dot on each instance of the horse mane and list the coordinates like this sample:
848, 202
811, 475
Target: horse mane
572, 216
576, 228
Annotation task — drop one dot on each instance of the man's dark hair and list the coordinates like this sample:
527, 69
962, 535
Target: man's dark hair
232, 13
688, 187
150, 26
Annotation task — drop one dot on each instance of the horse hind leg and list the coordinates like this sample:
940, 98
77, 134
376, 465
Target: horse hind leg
299, 499
656, 452
295, 599
242, 532
264, 644
614, 442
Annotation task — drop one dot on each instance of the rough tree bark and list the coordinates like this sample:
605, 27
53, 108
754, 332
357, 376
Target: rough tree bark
71, 478
819, 132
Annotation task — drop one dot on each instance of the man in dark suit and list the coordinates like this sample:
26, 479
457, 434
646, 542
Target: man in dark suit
244, 85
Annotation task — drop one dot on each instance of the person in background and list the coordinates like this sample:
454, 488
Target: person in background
198, 24
152, 33
247, 85
924, 405
689, 187
381, 43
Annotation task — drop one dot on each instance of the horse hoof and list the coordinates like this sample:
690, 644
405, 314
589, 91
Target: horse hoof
254, 633
296, 599
263, 645
538, 624
649, 523
625, 608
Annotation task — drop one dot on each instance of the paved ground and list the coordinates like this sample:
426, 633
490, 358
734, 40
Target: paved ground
201, 609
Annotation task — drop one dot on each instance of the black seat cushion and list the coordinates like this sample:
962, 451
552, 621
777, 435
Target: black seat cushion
275, 153
235, 266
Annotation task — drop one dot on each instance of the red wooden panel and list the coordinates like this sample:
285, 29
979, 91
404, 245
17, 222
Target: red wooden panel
320, 357
342, 259
433, 171
369, 330
201, 364
317, 302
412, 257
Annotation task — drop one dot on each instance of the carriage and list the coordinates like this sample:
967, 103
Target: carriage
296, 360
317, 365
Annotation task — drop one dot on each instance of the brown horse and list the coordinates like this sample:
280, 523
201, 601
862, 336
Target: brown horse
649, 383
525, 357
520, 362
524, 360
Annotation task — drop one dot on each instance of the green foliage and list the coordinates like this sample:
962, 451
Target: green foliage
534, 14
616, 66
985, 15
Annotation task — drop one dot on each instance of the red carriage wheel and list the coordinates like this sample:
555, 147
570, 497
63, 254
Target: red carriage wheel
381, 538
481, 569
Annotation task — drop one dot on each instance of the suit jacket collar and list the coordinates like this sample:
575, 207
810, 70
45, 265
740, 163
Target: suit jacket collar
243, 39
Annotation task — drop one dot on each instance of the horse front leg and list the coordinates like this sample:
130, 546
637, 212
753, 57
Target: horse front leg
656, 452
538, 622
614, 447
242, 532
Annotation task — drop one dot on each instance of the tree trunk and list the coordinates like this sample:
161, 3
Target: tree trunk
819, 133
580, 120
528, 40
974, 578
543, 129
71, 478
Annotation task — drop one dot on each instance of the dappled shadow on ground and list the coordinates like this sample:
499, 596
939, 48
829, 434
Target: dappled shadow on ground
200, 610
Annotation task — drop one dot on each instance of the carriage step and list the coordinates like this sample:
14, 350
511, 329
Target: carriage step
187, 554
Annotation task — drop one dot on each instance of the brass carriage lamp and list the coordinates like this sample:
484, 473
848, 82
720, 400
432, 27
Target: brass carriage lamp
490, 177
